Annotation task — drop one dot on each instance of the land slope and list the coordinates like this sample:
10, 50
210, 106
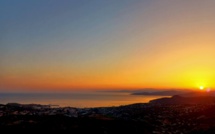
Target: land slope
167, 115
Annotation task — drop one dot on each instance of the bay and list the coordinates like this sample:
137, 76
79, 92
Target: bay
76, 99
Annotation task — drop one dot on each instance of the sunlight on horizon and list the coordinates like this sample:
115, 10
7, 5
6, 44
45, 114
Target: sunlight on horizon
201, 87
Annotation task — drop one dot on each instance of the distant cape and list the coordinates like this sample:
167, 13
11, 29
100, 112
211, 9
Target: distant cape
183, 93
161, 93
184, 100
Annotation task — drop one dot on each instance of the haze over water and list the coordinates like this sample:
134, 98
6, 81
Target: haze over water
76, 99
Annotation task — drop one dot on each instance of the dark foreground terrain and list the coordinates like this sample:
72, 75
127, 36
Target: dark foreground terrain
176, 115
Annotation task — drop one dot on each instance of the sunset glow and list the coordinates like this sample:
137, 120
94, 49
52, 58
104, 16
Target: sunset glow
201, 87
107, 45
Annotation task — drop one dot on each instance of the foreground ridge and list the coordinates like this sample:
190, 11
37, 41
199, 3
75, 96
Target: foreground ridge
167, 115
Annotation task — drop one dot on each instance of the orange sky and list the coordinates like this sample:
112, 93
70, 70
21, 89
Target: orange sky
128, 45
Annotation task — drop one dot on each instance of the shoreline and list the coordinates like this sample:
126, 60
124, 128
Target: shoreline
158, 116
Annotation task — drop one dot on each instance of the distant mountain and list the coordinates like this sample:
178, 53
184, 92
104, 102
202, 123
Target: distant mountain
184, 100
162, 93
198, 93
183, 93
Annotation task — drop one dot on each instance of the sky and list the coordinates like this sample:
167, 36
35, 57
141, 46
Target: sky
106, 44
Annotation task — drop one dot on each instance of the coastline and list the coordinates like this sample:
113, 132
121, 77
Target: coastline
157, 116
80, 100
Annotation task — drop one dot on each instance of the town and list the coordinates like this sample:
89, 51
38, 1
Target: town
136, 118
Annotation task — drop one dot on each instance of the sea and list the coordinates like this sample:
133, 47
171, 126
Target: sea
76, 99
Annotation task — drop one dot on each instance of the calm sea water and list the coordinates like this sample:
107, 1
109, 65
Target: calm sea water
76, 99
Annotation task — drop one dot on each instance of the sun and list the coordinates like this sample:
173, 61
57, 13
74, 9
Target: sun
201, 87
